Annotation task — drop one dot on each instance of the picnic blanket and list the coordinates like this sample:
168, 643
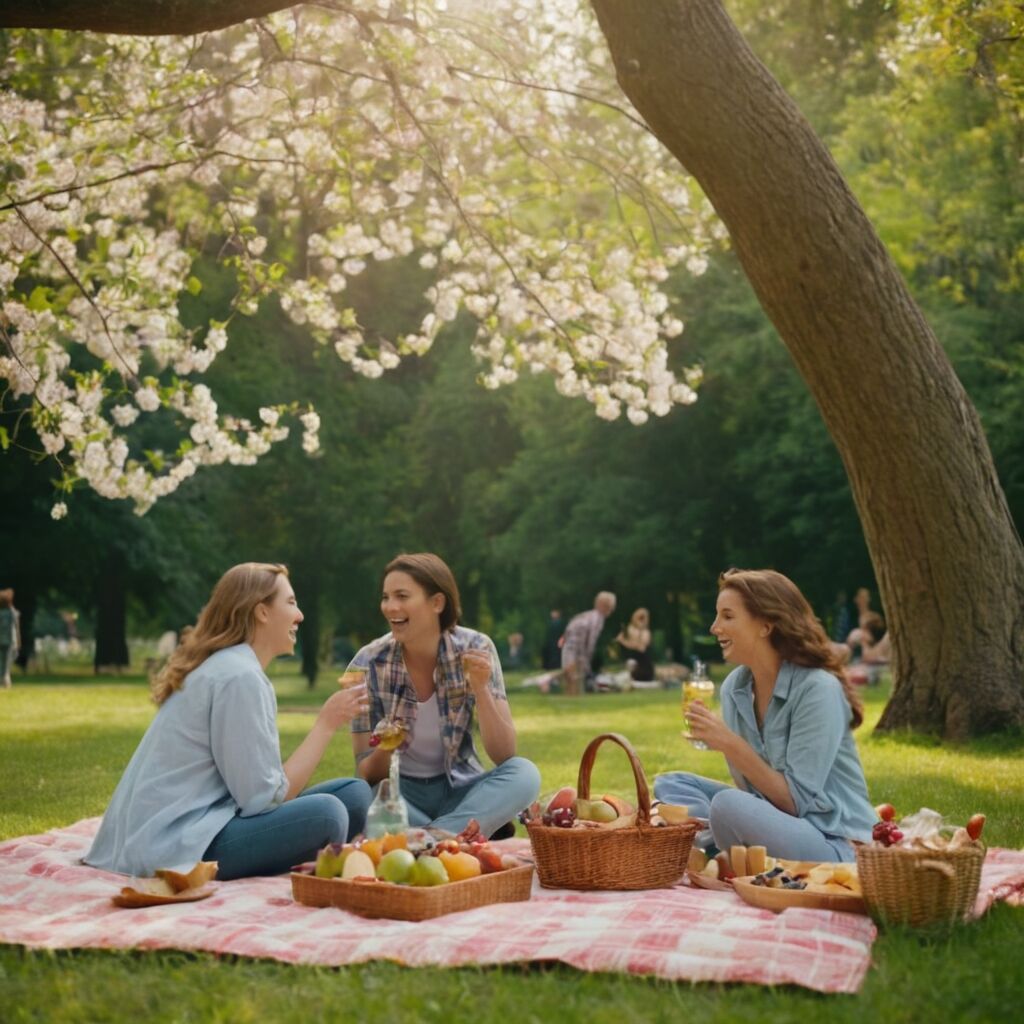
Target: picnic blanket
49, 900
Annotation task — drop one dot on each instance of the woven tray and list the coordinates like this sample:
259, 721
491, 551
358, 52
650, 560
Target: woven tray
919, 887
641, 857
412, 903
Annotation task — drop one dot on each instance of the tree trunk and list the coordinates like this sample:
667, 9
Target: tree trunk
136, 17
307, 586
111, 606
946, 554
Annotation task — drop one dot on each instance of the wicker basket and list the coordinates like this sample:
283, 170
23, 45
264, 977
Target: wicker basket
643, 856
919, 887
412, 903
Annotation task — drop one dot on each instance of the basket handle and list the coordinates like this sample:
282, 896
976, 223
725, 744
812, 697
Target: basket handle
643, 794
945, 876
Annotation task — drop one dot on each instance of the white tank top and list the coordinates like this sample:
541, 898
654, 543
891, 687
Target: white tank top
424, 757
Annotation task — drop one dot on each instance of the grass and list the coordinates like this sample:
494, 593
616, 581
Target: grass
64, 741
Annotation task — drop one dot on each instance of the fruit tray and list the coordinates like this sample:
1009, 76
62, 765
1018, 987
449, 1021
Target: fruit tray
412, 903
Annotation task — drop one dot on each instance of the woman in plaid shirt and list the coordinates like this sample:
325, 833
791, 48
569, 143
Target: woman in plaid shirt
432, 676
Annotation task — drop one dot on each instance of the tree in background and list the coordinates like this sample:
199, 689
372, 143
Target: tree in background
935, 518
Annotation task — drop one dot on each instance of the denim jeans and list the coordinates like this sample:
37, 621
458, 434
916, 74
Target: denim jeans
493, 798
744, 819
272, 842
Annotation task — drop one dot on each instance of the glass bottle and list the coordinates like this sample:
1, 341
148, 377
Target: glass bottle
389, 812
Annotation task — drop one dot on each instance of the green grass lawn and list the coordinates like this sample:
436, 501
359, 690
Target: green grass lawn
64, 741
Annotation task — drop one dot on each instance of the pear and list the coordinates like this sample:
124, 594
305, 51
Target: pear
602, 811
331, 860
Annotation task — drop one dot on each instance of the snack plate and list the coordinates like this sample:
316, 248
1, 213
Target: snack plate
129, 897
701, 881
779, 899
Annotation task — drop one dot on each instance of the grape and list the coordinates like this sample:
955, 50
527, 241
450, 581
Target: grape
886, 833
563, 817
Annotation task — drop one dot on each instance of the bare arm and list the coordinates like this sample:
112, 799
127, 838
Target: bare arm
339, 709
493, 714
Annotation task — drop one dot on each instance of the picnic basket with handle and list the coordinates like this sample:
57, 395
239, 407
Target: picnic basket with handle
641, 856
919, 887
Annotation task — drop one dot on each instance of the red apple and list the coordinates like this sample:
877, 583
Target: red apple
565, 797
885, 812
975, 825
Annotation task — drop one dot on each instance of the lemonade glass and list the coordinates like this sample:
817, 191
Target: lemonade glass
697, 687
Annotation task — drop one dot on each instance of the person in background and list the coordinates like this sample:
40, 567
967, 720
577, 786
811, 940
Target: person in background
207, 781
434, 677
580, 642
871, 641
788, 712
10, 635
635, 643
552, 654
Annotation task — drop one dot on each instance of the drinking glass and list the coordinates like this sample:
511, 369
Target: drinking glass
697, 687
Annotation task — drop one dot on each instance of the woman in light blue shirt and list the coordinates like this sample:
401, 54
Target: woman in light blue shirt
207, 781
787, 715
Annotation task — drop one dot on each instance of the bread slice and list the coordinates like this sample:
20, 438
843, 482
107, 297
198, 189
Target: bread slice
738, 858
757, 860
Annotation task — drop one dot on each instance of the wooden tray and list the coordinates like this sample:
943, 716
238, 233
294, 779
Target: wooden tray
413, 903
780, 899
699, 881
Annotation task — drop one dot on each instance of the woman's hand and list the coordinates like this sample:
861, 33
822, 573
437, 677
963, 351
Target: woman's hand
705, 725
340, 708
476, 666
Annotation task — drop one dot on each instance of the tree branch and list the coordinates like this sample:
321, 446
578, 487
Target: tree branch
136, 17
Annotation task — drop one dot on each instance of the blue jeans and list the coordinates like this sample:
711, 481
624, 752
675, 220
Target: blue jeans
272, 842
744, 819
493, 798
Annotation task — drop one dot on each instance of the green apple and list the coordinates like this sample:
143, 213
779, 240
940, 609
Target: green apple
396, 866
428, 871
582, 807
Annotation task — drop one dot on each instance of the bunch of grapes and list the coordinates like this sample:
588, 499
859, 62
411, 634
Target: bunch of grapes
561, 817
887, 833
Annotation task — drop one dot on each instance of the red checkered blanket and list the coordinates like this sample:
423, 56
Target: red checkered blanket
49, 900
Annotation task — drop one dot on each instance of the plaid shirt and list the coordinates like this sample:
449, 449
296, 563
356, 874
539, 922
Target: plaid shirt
581, 638
393, 696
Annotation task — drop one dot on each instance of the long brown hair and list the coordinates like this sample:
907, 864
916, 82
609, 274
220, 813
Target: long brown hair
434, 576
228, 619
796, 633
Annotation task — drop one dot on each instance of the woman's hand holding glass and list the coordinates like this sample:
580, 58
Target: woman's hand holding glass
350, 701
705, 727
476, 667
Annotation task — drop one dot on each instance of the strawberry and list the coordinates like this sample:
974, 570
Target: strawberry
975, 825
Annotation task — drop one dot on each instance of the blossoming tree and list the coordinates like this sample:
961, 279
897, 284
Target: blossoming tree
385, 128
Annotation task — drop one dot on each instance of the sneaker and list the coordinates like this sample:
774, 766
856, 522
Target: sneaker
507, 831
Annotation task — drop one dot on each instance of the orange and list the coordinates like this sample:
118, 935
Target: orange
460, 866
374, 849
395, 841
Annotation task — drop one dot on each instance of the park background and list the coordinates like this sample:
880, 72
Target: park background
536, 503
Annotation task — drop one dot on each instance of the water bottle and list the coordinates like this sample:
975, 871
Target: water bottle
389, 812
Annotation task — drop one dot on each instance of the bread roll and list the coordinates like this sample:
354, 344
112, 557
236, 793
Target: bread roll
756, 859
738, 857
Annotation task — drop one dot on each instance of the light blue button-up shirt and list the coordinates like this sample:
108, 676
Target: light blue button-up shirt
806, 736
211, 752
